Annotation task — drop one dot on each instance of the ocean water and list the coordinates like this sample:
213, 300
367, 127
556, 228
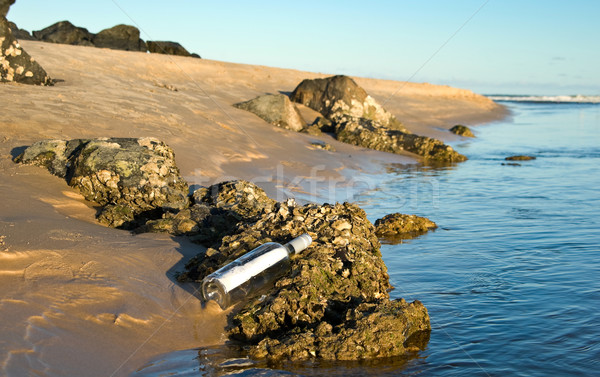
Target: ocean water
511, 277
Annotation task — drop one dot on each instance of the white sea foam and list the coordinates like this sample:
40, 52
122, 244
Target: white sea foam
551, 99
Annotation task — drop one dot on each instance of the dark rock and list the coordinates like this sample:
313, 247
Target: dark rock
276, 109
130, 178
168, 48
397, 226
120, 37
66, 33
461, 130
20, 34
334, 303
15, 64
520, 158
510, 164
4, 5
319, 126
367, 133
340, 95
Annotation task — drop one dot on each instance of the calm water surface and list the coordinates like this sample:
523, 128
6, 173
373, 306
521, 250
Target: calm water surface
511, 278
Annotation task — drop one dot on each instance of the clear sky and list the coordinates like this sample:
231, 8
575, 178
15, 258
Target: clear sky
491, 47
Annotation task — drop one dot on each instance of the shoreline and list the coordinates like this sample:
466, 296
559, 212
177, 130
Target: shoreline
73, 286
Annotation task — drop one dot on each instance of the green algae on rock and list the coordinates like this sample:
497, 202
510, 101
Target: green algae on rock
396, 227
356, 118
461, 130
367, 133
520, 158
127, 177
15, 63
335, 292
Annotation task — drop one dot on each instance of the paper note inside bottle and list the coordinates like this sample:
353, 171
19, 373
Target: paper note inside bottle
238, 275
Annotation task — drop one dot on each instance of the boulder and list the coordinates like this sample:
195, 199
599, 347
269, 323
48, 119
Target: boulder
20, 34
396, 227
15, 64
131, 179
66, 33
520, 158
120, 37
276, 109
333, 304
461, 130
168, 48
340, 95
370, 134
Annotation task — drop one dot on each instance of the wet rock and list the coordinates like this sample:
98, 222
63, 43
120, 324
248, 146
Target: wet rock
461, 130
66, 33
130, 178
120, 37
367, 133
188, 222
335, 298
20, 34
15, 63
168, 48
340, 95
276, 109
397, 226
520, 158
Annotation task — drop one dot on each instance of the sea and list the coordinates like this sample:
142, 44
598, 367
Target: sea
511, 276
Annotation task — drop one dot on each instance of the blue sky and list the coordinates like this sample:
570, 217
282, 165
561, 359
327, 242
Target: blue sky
491, 47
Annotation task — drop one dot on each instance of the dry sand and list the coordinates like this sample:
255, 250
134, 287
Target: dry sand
77, 298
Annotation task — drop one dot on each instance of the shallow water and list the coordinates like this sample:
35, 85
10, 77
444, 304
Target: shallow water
510, 278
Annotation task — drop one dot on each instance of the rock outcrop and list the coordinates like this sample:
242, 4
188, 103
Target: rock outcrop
20, 34
520, 158
358, 119
276, 109
396, 227
66, 33
461, 130
131, 179
168, 48
15, 64
370, 134
334, 303
120, 37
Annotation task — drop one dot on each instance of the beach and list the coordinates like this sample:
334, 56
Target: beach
78, 298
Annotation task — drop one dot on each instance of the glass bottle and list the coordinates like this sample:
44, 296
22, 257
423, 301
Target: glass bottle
246, 276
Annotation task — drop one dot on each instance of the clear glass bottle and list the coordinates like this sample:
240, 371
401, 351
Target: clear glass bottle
249, 274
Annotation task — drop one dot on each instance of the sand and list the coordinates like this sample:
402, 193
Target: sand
77, 298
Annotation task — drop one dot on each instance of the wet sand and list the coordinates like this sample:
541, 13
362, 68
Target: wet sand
77, 298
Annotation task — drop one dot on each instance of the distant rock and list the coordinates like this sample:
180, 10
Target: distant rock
323, 145
276, 109
120, 37
367, 133
132, 179
66, 33
357, 119
15, 64
20, 34
340, 95
168, 48
520, 158
397, 226
461, 130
